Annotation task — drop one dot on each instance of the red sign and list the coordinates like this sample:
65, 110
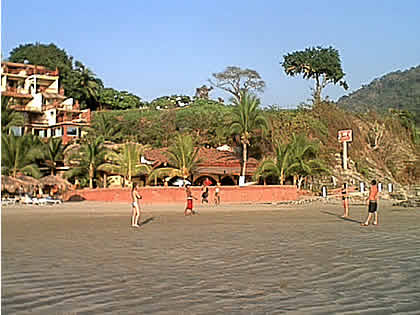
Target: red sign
345, 135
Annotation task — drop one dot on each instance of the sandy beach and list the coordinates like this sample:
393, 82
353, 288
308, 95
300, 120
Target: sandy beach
84, 258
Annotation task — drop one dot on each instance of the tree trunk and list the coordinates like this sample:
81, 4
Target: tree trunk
317, 93
90, 176
244, 158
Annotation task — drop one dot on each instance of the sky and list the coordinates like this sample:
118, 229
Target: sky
158, 48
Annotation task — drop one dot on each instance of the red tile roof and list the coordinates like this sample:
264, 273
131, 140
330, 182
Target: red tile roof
212, 161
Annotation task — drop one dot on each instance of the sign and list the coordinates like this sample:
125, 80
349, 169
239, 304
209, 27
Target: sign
345, 136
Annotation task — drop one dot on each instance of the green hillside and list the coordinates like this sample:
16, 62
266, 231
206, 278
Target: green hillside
397, 90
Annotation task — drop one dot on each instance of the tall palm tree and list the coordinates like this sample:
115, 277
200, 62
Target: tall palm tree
18, 155
127, 161
89, 85
247, 118
53, 152
305, 161
9, 117
108, 128
279, 166
89, 157
183, 157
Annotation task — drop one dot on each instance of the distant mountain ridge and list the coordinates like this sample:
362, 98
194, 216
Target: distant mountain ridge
398, 90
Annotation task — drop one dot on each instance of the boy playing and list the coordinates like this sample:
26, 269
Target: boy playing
372, 201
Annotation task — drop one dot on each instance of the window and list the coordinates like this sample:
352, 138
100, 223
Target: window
17, 131
58, 132
72, 131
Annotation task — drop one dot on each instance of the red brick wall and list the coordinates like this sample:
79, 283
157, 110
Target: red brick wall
165, 195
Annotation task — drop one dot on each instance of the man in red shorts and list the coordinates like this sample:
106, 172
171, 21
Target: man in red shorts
189, 208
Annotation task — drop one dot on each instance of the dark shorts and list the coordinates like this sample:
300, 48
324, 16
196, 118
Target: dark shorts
373, 206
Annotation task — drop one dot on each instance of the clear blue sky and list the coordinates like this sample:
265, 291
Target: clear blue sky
157, 48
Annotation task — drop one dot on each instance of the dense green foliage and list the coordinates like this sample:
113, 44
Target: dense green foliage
399, 90
247, 118
320, 64
126, 161
9, 117
183, 158
19, 154
78, 81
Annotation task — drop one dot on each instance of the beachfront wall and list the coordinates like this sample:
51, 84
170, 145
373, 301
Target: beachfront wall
171, 195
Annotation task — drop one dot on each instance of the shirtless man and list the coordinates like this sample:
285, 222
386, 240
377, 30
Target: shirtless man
372, 202
135, 205
189, 207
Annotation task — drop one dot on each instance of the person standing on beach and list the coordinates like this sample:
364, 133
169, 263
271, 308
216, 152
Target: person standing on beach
135, 205
205, 194
189, 207
217, 194
345, 197
372, 202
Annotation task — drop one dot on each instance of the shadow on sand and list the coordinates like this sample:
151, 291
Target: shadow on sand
340, 217
148, 220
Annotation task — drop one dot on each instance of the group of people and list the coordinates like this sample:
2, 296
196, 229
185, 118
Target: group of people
371, 200
137, 207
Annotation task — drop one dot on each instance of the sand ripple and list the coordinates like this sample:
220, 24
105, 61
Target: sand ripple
274, 262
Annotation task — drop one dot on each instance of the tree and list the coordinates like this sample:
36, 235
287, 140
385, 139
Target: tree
87, 86
88, 158
246, 119
321, 64
53, 152
18, 155
304, 158
49, 56
109, 128
9, 117
118, 99
183, 157
278, 167
126, 161
235, 80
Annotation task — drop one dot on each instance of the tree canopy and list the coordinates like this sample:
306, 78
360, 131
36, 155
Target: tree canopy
321, 64
235, 80
78, 81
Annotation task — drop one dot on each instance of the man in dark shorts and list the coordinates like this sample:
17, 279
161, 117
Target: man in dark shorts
372, 202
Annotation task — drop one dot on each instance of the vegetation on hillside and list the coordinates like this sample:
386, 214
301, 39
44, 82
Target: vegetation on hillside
296, 145
399, 90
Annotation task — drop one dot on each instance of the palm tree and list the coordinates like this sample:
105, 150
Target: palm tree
18, 155
182, 156
9, 117
108, 128
89, 157
89, 85
247, 118
278, 167
53, 151
304, 157
126, 162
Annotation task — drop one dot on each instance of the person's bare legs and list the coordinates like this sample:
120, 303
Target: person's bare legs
369, 217
135, 217
346, 208
375, 220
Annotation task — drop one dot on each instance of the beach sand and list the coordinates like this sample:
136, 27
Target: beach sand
84, 258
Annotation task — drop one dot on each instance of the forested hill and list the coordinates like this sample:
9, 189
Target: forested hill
398, 90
